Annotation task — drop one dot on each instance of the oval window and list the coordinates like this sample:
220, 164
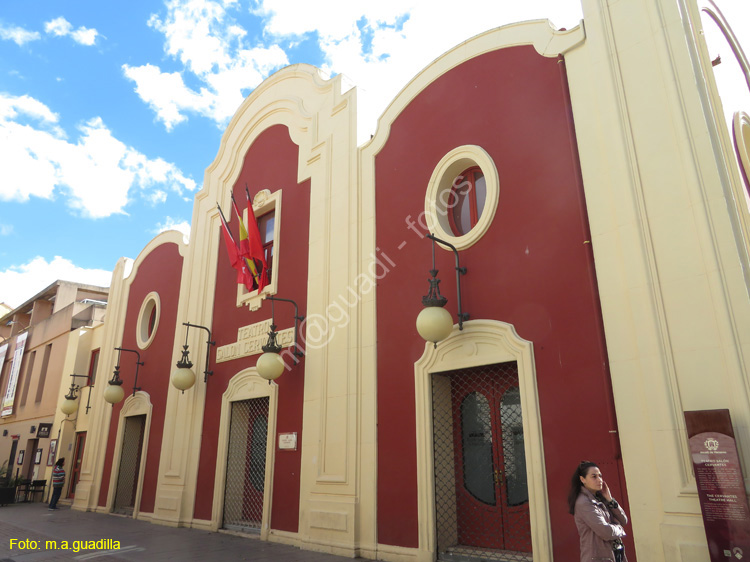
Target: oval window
148, 320
462, 196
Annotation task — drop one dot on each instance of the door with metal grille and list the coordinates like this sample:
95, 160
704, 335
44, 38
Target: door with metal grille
481, 491
130, 465
246, 466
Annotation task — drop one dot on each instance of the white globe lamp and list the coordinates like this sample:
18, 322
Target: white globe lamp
434, 324
270, 366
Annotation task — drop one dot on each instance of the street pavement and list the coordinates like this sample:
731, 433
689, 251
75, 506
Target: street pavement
139, 541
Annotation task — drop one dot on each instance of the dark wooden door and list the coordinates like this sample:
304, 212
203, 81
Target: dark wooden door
492, 506
75, 471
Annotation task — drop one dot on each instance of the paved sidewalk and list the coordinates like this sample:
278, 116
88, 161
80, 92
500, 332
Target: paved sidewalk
139, 541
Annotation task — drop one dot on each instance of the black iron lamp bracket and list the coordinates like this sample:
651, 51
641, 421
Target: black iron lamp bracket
185, 361
74, 388
434, 298
138, 363
273, 346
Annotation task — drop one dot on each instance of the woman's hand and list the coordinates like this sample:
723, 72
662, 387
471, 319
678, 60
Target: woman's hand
605, 492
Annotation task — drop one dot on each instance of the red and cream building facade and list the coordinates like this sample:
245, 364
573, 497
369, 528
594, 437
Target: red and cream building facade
601, 215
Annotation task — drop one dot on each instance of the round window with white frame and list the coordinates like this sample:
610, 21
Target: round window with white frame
148, 320
462, 196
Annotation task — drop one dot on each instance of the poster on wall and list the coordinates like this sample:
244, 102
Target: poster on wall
20, 457
38, 456
721, 488
52, 452
3, 353
15, 368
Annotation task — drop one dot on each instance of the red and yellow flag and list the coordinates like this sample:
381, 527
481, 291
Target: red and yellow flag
251, 246
243, 274
244, 248
257, 254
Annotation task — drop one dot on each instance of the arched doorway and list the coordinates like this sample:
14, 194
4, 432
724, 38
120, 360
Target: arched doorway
245, 455
246, 466
126, 481
480, 461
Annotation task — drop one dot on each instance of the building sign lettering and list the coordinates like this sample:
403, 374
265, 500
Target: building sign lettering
251, 339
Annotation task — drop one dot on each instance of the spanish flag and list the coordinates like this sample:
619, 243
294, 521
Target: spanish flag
257, 255
244, 248
243, 274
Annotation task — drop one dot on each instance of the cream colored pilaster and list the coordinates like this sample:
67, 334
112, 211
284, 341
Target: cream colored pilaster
337, 498
669, 260
64, 427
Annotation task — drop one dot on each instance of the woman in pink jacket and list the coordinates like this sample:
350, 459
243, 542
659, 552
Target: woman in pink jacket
598, 516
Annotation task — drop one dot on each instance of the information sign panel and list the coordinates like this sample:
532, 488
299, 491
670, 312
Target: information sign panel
721, 488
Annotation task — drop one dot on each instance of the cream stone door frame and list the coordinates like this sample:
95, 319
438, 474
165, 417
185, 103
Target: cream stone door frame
137, 405
245, 385
481, 342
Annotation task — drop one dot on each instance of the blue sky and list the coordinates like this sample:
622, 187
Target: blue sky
110, 112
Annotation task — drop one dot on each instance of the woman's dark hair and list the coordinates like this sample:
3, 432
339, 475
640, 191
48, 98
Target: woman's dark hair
576, 484
60, 461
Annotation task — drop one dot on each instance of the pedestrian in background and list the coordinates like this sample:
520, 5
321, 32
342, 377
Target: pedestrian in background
598, 516
58, 481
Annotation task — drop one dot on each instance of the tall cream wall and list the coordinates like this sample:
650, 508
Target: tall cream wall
91, 339
92, 467
668, 252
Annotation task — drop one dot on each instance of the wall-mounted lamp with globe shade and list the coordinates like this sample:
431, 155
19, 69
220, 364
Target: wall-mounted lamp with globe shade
434, 323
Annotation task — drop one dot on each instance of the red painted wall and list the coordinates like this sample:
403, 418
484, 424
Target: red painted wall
160, 271
270, 163
532, 269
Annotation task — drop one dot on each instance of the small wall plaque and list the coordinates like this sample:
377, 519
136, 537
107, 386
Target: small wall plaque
288, 441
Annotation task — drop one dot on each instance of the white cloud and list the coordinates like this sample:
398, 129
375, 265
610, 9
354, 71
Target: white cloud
378, 45
172, 224
157, 196
212, 47
18, 35
166, 93
97, 174
20, 283
85, 36
12, 107
60, 27
6, 229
